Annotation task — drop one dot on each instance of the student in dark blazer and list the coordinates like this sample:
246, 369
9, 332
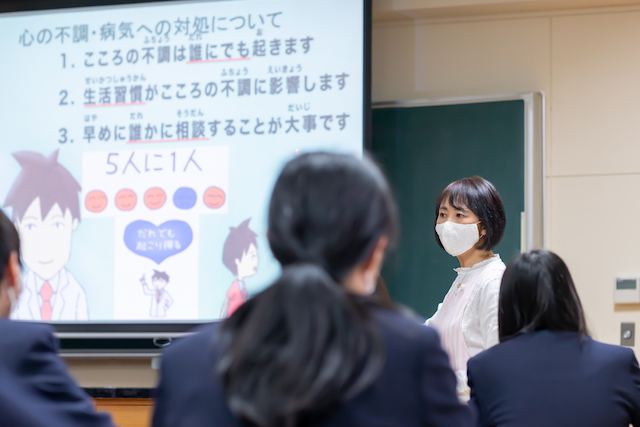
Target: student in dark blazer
312, 349
21, 405
31, 371
547, 371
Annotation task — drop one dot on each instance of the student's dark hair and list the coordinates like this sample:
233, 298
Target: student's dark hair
482, 198
9, 241
304, 344
537, 293
237, 244
42, 177
160, 275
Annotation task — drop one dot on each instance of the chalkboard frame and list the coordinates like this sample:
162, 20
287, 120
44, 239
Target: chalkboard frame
532, 226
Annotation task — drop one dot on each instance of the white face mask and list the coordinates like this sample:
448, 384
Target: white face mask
458, 238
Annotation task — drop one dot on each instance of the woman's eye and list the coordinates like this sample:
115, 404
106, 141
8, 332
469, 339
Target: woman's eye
58, 225
30, 226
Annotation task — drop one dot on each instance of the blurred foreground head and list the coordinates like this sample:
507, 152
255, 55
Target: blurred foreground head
308, 342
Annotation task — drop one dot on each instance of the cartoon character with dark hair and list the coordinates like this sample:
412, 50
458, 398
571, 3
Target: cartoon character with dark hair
240, 256
161, 300
46, 212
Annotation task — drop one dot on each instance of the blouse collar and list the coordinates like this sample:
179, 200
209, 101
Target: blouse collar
477, 266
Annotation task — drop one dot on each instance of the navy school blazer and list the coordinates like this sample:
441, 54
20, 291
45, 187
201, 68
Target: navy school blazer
36, 389
416, 387
551, 379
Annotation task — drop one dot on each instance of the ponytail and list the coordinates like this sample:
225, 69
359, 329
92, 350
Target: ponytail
297, 348
305, 344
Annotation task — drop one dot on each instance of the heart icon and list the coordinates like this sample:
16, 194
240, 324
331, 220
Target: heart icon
157, 242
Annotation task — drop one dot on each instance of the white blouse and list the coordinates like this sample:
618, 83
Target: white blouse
480, 316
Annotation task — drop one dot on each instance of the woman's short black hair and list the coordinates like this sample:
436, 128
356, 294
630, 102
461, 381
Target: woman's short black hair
482, 198
537, 293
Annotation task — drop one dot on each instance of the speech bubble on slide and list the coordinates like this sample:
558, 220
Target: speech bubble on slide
158, 242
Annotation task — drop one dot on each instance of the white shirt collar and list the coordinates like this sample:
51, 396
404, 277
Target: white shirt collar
54, 282
478, 266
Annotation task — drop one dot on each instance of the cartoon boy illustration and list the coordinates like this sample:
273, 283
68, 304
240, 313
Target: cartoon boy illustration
240, 256
161, 300
46, 212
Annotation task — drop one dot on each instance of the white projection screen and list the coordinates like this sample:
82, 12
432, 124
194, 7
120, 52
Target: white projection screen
141, 142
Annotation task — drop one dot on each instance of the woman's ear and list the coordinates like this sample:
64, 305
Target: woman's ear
482, 230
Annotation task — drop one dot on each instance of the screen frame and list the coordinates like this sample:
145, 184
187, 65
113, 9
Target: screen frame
114, 332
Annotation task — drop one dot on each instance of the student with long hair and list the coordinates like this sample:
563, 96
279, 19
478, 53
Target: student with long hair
312, 349
469, 223
547, 371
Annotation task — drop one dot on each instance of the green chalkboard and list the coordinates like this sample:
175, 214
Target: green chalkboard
422, 149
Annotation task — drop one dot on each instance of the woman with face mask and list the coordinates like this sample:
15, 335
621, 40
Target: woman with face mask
313, 349
469, 223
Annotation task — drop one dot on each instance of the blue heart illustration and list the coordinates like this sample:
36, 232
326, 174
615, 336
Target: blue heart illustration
158, 242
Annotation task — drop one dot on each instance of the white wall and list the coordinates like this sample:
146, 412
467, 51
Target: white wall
588, 65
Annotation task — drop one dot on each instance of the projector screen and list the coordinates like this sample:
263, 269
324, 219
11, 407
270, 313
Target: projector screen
141, 143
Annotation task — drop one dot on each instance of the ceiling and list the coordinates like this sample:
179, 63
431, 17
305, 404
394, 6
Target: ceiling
406, 10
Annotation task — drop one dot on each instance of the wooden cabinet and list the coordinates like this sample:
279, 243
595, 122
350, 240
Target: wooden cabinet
127, 412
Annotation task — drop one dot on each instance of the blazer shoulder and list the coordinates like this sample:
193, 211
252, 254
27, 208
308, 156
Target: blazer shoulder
24, 331
19, 339
494, 355
476, 362
200, 340
611, 352
399, 329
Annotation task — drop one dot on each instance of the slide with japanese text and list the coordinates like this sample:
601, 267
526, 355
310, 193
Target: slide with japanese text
141, 144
